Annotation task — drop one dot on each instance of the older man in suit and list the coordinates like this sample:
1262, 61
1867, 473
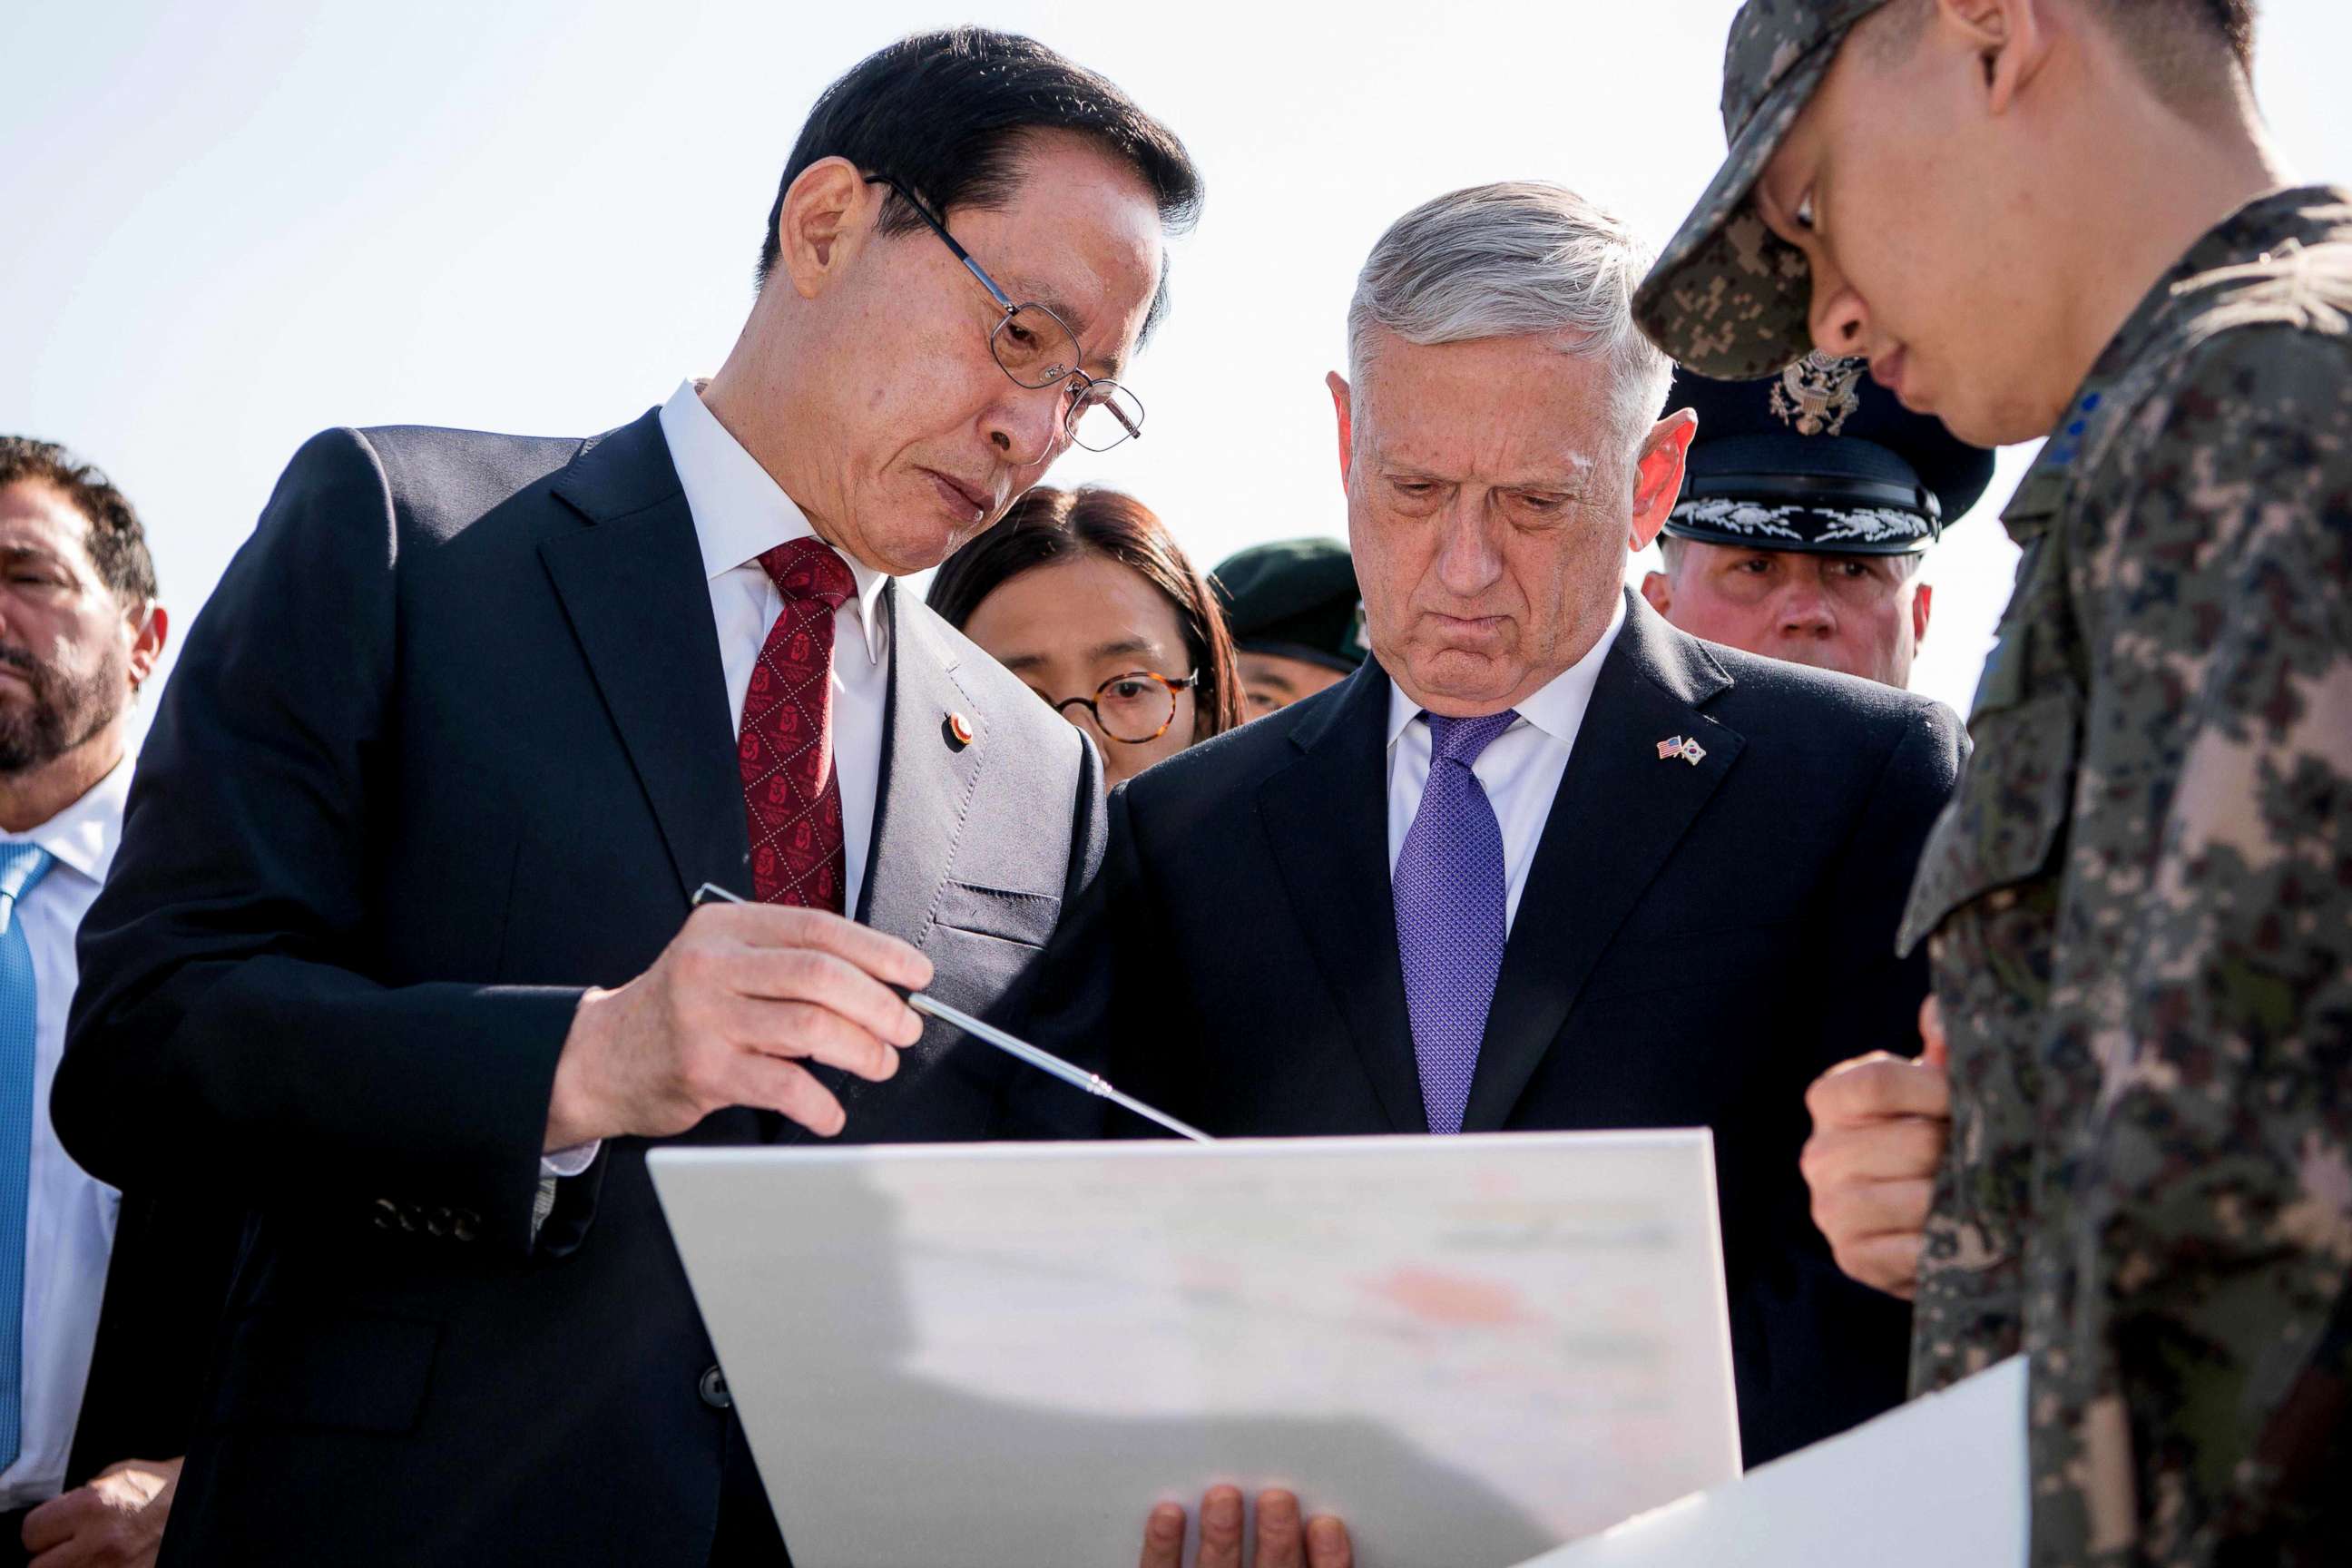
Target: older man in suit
1544, 862
399, 949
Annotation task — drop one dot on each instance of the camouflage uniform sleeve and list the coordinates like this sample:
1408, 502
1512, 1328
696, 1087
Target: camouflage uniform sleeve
2212, 1237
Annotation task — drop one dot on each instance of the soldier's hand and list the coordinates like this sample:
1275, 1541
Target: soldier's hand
1880, 1123
743, 997
1285, 1539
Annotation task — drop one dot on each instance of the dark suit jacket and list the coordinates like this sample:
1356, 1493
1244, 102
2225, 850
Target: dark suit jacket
449, 743
166, 1285
1694, 944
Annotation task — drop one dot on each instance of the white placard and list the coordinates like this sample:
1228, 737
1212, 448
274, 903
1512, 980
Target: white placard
999, 1356
1938, 1483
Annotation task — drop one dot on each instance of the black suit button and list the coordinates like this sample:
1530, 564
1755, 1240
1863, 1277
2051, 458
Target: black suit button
713, 1389
385, 1215
465, 1224
437, 1223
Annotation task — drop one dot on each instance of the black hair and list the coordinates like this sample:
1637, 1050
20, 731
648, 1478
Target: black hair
118, 544
945, 114
1048, 525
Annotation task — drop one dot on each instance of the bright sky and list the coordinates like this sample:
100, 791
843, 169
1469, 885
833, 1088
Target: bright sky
237, 222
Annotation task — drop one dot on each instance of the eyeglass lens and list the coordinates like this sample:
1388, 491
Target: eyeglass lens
1036, 349
1135, 707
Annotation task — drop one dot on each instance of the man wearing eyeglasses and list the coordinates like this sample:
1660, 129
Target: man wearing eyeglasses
398, 950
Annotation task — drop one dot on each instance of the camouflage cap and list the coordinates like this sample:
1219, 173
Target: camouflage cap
1728, 298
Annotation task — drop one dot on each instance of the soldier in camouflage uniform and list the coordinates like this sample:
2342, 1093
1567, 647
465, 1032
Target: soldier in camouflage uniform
2139, 904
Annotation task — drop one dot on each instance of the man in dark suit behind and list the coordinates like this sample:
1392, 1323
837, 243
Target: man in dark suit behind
1544, 862
399, 949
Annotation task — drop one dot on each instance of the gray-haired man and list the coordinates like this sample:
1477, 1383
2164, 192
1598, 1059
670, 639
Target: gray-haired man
1544, 862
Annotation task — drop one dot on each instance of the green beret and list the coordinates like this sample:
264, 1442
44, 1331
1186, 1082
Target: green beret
1295, 598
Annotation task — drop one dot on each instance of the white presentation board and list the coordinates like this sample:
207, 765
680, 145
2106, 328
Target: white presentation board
999, 1356
1938, 1483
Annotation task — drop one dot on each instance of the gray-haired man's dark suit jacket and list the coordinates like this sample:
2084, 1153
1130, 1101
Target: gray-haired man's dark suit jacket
1697, 939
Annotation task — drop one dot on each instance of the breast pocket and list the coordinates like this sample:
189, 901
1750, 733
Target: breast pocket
1008, 916
2005, 819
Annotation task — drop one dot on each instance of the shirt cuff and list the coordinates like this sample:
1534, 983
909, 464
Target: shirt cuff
570, 1162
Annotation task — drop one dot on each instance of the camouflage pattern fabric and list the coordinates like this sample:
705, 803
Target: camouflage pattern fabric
1727, 297
2140, 904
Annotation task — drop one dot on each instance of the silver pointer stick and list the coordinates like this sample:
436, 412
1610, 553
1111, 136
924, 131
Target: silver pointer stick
1019, 1049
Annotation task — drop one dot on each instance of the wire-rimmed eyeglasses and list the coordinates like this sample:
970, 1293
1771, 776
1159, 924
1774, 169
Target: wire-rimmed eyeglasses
1135, 708
1037, 349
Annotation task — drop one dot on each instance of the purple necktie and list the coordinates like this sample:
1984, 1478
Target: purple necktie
1449, 915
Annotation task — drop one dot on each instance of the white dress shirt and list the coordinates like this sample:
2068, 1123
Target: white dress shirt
1520, 769
741, 514
69, 1215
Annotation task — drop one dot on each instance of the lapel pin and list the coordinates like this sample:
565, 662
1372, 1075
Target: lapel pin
958, 731
1688, 751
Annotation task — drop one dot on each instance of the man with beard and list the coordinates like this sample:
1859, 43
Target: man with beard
80, 633
1808, 506
2134, 1164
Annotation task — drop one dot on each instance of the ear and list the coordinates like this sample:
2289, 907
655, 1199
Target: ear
1658, 475
2010, 38
1339, 405
151, 627
827, 215
1659, 592
1921, 597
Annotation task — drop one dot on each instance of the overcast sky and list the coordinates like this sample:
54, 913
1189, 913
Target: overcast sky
235, 224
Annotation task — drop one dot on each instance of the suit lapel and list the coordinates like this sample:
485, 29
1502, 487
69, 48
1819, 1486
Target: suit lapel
1619, 813
922, 795
1335, 797
633, 590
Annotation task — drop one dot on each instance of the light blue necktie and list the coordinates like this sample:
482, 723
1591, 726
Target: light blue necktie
21, 866
1450, 915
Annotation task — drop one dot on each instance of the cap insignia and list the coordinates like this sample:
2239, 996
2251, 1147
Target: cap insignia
1818, 394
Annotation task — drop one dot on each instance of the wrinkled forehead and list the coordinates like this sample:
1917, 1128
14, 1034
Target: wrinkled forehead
1523, 403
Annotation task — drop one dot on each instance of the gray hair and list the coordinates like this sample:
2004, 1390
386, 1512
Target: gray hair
1520, 258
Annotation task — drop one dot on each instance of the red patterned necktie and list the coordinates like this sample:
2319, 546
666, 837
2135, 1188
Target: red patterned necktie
791, 797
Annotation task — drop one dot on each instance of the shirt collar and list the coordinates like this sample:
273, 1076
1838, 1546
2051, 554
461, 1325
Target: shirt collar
1556, 708
2305, 215
2220, 259
739, 511
84, 834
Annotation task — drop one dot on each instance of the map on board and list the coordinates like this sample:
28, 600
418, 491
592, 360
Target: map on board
1471, 1347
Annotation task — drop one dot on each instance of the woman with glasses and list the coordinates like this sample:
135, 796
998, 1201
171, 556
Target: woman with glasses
1085, 594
